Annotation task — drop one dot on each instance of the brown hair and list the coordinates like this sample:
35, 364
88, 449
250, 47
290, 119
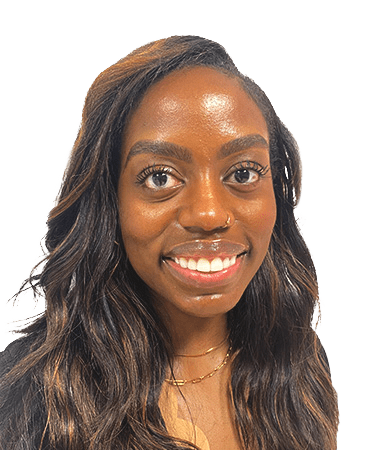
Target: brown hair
91, 368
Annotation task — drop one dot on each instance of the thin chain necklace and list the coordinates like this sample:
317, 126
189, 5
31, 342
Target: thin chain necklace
207, 351
176, 382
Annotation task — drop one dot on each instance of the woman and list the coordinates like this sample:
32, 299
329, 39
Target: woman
179, 290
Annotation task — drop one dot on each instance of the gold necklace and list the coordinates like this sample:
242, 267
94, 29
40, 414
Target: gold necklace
175, 382
207, 351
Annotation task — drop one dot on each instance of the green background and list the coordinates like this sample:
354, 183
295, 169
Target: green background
307, 56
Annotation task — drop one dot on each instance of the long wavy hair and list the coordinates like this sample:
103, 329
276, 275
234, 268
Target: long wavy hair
90, 369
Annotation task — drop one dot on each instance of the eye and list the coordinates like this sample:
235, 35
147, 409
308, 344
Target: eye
245, 174
158, 178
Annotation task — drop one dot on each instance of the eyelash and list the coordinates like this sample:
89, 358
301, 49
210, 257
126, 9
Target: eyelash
243, 165
150, 170
250, 165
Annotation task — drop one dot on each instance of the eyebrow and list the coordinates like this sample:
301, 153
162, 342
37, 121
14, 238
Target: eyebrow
242, 143
183, 154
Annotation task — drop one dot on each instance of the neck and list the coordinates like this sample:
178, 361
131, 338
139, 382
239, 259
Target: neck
194, 335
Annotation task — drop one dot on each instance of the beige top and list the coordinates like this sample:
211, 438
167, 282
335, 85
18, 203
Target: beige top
177, 426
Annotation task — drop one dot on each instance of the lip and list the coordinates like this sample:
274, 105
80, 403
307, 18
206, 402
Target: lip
204, 279
209, 250
221, 248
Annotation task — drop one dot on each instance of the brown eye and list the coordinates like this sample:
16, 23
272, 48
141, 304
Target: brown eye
158, 178
161, 180
245, 176
245, 173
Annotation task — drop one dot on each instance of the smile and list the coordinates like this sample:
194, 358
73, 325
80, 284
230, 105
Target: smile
206, 277
204, 265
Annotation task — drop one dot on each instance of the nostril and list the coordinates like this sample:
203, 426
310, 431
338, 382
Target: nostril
207, 221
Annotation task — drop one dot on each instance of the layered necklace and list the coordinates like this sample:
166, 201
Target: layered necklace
179, 382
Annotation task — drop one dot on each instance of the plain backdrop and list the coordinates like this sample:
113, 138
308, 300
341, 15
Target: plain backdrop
311, 58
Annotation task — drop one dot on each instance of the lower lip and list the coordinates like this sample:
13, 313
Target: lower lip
211, 279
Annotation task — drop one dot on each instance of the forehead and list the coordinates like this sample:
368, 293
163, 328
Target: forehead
196, 100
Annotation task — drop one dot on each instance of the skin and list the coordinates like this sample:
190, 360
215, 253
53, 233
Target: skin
202, 110
195, 115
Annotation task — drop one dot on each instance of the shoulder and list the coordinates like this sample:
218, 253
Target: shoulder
13, 354
22, 405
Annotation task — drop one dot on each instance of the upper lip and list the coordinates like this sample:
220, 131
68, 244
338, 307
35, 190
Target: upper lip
207, 249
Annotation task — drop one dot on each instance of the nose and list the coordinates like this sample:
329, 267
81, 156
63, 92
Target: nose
206, 209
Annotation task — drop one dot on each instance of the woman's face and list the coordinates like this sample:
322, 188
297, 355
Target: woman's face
196, 199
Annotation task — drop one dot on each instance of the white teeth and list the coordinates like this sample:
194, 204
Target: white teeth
216, 265
192, 265
204, 265
183, 263
226, 263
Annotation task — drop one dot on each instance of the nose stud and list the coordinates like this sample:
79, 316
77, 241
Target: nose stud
228, 222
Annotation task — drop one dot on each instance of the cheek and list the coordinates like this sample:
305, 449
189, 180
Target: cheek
141, 224
260, 217
266, 218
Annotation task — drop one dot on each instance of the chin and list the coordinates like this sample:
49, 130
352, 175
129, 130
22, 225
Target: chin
205, 305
